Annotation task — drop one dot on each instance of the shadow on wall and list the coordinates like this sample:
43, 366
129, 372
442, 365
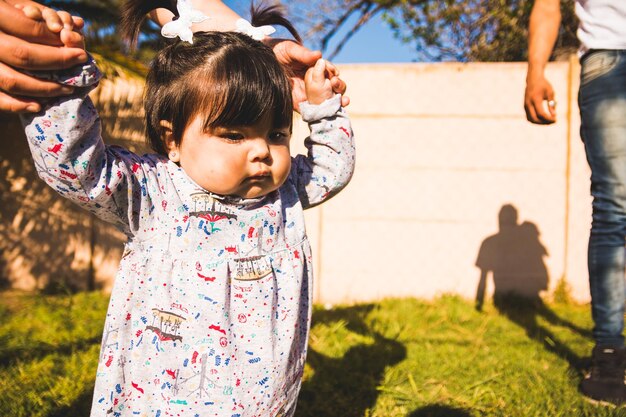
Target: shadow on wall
515, 258
47, 242
332, 390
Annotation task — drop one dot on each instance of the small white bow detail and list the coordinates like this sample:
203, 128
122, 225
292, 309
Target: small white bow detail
257, 33
181, 27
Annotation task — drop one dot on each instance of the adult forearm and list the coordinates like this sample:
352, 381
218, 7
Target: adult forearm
543, 31
222, 17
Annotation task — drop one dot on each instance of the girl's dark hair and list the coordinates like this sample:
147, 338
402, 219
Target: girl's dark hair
228, 78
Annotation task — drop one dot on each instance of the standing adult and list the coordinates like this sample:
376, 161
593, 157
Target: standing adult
602, 103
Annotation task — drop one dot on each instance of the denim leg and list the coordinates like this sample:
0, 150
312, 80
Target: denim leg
602, 101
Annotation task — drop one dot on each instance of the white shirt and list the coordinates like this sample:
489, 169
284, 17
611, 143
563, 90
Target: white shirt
602, 24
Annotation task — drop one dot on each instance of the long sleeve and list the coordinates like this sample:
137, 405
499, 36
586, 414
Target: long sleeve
67, 148
329, 164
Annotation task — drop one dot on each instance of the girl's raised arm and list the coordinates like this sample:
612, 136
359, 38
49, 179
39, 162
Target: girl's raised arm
328, 166
66, 143
329, 163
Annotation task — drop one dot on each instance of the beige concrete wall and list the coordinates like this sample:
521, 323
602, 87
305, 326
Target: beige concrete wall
46, 242
442, 148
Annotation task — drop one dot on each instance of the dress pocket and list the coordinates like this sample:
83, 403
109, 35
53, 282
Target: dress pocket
252, 268
596, 64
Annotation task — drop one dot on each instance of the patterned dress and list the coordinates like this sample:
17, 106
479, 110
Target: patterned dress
211, 307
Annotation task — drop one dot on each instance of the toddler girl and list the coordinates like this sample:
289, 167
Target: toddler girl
210, 311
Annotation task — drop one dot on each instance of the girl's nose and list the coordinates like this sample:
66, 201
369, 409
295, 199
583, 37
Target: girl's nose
259, 150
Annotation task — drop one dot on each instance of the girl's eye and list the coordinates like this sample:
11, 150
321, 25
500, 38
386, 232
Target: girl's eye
234, 136
278, 137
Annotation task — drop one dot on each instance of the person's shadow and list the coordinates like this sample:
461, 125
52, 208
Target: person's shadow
515, 258
439, 410
346, 386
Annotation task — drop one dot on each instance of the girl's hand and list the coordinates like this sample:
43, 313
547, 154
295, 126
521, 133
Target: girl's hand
299, 59
322, 81
61, 22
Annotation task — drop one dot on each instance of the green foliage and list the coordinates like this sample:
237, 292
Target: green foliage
395, 358
562, 292
113, 63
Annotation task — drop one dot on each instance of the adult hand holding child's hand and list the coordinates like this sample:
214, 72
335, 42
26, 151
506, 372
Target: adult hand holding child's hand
57, 21
34, 43
299, 59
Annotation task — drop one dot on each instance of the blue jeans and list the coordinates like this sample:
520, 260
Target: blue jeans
602, 102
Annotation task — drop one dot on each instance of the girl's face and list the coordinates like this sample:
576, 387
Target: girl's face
245, 161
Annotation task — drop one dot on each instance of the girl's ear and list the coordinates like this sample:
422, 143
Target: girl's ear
167, 135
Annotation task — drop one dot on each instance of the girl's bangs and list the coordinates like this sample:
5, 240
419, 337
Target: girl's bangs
240, 91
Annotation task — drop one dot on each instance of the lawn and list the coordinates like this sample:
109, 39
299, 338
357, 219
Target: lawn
396, 358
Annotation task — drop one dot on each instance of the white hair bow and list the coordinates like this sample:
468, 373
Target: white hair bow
257, 33
181, 27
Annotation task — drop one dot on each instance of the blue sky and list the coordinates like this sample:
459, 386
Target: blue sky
372, 43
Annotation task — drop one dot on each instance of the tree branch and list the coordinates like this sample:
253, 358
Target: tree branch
366, 15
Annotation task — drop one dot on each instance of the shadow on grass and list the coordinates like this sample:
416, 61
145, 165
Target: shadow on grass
8, 357
347, 386
81, 407
525, 313
438, 410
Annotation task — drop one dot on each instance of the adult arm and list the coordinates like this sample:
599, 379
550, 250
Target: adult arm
29, 44
543, 29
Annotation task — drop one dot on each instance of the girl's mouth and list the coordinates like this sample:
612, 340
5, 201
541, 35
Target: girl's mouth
259, 176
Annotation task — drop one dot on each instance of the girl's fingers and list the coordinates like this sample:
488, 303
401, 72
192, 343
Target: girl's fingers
331, 70
318, 75
78, 21
66, 18
15, 23
53, 19
72, 39
339, 86
30, 11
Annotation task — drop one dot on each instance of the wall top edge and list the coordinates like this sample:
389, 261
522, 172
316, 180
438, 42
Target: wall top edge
460, 65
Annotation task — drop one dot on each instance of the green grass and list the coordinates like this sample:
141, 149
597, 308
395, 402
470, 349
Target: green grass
396, 358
